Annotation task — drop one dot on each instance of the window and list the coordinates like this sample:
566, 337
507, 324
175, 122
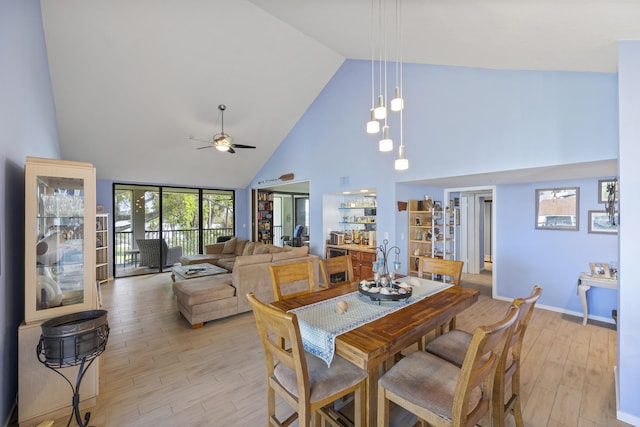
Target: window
190, 218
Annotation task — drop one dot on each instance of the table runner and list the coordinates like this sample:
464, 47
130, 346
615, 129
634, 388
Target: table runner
320, 324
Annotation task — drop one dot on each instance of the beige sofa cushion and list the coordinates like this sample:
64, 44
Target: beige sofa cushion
204, 289
260, 248
248, 248
300, 252
229, 246
252, 259
240, 244
226, 263
274, 249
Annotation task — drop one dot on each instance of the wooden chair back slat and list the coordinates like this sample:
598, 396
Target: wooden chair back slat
336, 265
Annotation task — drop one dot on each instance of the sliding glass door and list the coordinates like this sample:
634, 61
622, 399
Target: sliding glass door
154, 226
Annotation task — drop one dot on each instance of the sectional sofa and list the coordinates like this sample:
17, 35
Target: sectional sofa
213, 297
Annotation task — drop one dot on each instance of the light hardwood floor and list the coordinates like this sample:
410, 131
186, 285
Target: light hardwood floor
157, 371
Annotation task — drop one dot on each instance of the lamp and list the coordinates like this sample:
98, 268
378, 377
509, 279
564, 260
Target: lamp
397, 103
401, 163
386, 143
379, 111
373, 125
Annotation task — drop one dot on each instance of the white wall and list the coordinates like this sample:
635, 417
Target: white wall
628, 367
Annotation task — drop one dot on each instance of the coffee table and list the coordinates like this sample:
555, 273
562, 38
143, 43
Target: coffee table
185, 272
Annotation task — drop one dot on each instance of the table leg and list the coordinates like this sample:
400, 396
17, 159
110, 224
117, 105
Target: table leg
582, 292
372, 396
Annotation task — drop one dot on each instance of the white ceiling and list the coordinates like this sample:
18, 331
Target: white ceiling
133, 80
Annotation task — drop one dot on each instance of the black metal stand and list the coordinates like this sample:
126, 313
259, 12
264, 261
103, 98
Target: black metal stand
51, 353
76, 392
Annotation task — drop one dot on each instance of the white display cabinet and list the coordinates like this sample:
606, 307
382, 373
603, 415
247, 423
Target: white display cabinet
60, 238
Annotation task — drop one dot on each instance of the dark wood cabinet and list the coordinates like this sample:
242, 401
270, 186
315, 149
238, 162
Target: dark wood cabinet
362, 264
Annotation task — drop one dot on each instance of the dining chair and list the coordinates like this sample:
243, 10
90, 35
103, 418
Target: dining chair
337, 265
450, 271
453, 345
442, 394
302, 380
428, 267
291, 280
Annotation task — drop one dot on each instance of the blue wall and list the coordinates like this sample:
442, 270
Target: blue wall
551, 258
461, 121
28, 123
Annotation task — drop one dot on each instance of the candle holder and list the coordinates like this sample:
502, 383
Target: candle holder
383, 262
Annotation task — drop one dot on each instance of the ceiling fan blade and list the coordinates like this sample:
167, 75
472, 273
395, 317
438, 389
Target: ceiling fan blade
193, 138
242, 146
231, 150
202, 148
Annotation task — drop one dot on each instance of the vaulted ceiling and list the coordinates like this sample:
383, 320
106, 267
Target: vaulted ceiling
133, 80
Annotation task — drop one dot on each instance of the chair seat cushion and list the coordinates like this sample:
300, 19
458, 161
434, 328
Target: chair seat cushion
323, 381
451, 346
427, 381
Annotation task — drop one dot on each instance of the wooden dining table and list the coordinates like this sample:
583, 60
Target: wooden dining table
373, 343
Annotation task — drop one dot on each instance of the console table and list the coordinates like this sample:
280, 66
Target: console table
585, 282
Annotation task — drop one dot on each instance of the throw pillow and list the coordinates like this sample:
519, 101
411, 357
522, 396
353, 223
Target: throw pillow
229, 246
240, 242
248, 248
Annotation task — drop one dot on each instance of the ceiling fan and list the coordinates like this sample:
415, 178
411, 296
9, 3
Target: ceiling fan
222, 141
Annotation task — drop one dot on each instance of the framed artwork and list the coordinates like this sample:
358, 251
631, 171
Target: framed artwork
557, 208
599, 269
599, 222
603, 195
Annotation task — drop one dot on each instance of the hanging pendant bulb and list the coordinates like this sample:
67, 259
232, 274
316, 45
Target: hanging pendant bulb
380, 112
401, 164
397, 103
373, 126
386, 143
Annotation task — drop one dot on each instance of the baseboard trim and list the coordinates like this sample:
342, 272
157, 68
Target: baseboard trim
620, 415
563, 311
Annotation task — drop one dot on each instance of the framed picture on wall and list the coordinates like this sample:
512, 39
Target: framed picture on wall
599, 222
603, 184
557, 208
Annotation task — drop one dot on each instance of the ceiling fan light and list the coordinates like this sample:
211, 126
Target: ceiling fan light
222, 147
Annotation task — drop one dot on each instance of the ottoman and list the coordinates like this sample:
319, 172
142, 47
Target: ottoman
206, 298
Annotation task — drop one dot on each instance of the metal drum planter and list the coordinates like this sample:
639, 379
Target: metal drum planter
71, 340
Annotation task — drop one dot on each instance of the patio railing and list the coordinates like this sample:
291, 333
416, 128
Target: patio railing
187, 239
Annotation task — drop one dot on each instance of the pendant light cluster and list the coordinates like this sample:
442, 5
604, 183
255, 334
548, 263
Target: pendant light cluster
379, 113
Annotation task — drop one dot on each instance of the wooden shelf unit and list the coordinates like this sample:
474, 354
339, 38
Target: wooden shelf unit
102, 248
265, 217
431, 233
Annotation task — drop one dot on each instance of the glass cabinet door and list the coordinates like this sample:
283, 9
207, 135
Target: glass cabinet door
60, 238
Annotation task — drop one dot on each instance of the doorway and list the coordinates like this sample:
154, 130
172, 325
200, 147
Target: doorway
290, 208
477, 237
